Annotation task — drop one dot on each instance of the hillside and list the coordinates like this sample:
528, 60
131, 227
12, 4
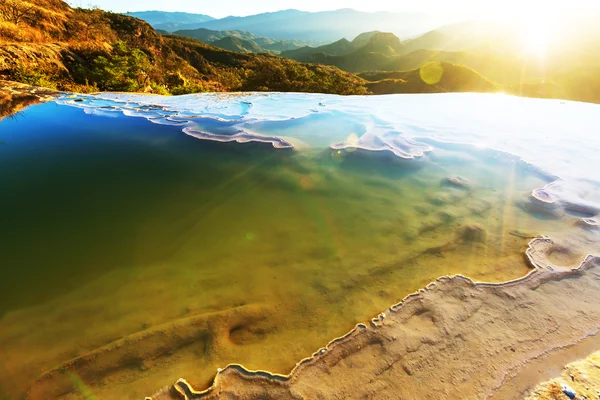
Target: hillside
570, 69
374, 51
209, 36
305, 54
362, 39
432, 40
352, 55
238, 45
434, 77
254, 43
59, 47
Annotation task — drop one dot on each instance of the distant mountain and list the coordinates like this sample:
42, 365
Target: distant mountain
382, 43
353, 56
252, 43
164, 17
236, 23
433, 77
384, 51
341, 47
367, 52
283, 45
238, 45
362, 39
210, 35
316, 27
432, 40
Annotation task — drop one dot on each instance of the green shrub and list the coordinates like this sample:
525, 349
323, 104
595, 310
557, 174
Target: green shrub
34, 77
125, 70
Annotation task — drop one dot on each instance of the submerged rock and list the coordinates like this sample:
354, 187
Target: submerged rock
589, 223
541, 202
472, 233
581, 208
457, 181
542, 195
440, 199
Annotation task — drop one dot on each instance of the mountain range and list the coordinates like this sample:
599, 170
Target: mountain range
240, 41
313, 27
569, 68
165, 18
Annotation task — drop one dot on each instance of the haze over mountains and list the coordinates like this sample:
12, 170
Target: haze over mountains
240, 41
314, 27
164, 17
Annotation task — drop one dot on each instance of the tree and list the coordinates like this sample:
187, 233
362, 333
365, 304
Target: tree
125, 69
93, 23
15, 11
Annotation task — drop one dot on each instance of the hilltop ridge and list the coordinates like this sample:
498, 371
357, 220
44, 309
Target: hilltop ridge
316, 27
252, 43
60, 47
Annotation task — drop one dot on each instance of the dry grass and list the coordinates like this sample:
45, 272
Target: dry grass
33, 21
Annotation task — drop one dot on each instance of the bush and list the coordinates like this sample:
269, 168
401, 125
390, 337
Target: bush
34, 77
124, 70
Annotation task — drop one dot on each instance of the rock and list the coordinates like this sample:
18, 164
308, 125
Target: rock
589, 223
472, 233
543, 196
457, 181
569, 391
541, 202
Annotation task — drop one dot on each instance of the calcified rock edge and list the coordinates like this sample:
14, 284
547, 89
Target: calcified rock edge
581, 377
453, 339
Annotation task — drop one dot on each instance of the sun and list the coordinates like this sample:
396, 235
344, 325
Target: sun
538, 34
536, 40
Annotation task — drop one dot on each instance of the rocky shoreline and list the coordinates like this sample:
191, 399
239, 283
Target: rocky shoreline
455, 339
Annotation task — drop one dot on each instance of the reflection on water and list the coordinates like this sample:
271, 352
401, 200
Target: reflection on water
203, 253
10, 104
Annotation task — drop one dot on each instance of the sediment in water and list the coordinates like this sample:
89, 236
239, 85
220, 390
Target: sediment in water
455, 339
155, 344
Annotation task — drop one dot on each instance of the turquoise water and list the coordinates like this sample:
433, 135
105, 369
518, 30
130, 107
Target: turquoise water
280, 220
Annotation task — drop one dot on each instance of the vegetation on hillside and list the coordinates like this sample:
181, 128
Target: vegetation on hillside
307, 53
240, 41
53, 45
433, 77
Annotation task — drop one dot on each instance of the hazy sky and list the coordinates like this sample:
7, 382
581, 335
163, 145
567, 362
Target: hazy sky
223, 8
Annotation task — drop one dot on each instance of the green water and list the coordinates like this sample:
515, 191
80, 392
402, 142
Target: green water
112, 226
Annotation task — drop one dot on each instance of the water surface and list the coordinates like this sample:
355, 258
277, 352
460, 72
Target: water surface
283, 220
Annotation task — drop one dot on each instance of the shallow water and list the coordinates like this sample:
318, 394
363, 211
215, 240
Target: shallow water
119, 218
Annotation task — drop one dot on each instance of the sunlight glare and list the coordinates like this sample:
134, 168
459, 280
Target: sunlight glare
538, 33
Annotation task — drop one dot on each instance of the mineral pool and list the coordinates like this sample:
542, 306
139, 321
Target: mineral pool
255, 228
